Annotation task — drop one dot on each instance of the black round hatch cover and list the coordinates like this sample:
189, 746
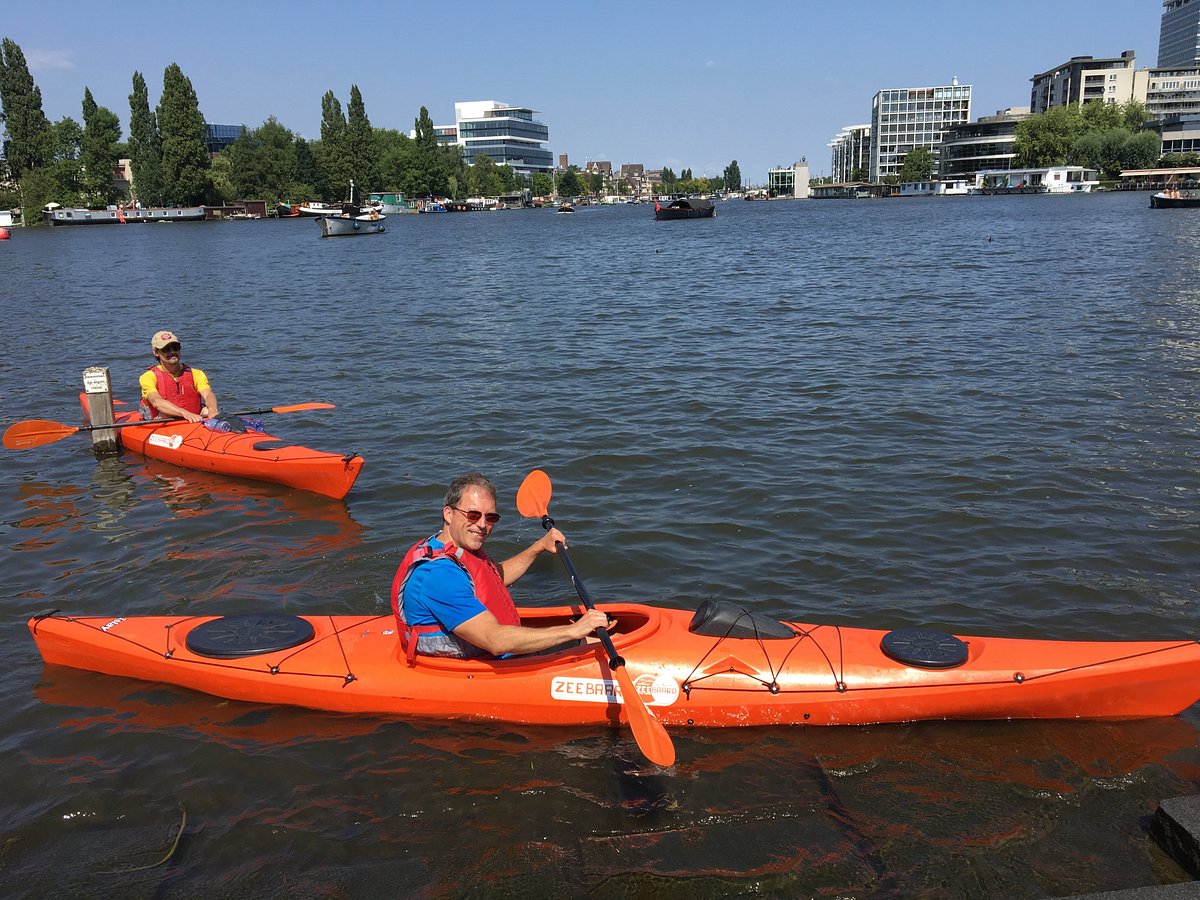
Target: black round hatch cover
924, 648
248, 635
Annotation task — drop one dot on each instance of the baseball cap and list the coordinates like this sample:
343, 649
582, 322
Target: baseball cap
162, 338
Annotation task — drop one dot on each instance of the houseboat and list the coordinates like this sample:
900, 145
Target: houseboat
951, 188
54, 214
1049, 180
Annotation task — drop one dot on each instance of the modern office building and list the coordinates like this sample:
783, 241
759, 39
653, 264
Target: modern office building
1087, 79
218, 137
986, 143
1179, 34
509, 135
789, 181
850, 152
903, 119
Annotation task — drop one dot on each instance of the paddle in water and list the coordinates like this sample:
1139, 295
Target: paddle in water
38, 432
533, 501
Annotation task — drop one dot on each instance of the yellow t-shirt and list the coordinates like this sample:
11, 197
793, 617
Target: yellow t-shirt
149, 381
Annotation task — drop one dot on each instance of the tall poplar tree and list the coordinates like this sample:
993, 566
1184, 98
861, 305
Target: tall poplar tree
361, 151
145, 146
21, 111
181, 127
101, 132
332, 156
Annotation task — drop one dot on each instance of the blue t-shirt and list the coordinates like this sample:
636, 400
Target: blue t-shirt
440, 593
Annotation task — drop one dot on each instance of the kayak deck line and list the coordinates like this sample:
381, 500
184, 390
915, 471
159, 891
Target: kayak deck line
821, 675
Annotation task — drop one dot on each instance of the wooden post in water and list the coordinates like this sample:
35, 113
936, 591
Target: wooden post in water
97, 385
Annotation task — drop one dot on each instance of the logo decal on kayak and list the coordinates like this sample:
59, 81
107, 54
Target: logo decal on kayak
113, 624
170, 441
655, 691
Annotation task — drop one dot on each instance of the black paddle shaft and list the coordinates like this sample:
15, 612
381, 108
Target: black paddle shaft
614, 659
175, 421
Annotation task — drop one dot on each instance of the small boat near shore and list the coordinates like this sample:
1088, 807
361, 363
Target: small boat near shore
54, 214
685, 208
315, 208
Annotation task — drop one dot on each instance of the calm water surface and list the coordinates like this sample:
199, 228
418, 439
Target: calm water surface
979, 414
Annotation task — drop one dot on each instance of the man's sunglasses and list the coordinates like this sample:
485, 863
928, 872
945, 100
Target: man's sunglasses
474, 515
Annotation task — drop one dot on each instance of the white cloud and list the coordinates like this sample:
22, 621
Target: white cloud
40, 60
710, 64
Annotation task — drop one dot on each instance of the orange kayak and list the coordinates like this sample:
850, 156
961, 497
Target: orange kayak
247, 455
732, 668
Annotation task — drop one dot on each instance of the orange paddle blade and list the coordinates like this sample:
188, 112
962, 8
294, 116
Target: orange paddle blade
533, 496
301, 407
652, 739
35, 433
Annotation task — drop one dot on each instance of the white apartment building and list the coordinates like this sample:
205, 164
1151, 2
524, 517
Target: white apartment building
903, 119
850, 150
1087, 79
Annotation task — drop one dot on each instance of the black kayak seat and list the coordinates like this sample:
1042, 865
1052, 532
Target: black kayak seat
251, 634
924, 648
721, 618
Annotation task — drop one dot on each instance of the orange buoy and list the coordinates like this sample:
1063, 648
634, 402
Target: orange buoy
3, 234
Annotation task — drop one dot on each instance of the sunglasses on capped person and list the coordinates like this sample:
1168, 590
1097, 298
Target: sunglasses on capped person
170, 348
474, 515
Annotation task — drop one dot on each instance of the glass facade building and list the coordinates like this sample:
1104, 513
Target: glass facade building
1179, 34
850, 152
218, 137
509, 135
903, 119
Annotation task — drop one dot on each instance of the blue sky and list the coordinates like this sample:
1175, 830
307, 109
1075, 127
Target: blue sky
686, 85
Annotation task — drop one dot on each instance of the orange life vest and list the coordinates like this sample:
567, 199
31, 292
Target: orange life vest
486, 582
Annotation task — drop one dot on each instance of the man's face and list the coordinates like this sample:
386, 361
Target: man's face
170, 355
464, 533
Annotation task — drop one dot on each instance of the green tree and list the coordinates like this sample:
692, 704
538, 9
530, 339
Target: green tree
569, 183
21, 113
308, 172
668, 180
362, 155
1046, 139
145, 146
733, 177
262, 163
101, 134
595, 183
859, 174
542, 184
57, 180
429, 168
331, 151
181, 127
685, 175
917, 165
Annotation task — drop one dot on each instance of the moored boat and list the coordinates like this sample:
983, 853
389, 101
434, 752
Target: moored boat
250, 454
317, 208
348, 224
686, 208
54, 214
287, 210
721, 667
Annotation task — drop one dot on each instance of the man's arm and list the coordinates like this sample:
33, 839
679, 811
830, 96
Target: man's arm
516, 566
486, 632
210, 404
167, 408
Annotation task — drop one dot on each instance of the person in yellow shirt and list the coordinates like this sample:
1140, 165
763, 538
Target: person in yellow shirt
172, 390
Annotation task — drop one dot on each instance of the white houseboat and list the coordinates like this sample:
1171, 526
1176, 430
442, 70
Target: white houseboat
1049, 180
951, 188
